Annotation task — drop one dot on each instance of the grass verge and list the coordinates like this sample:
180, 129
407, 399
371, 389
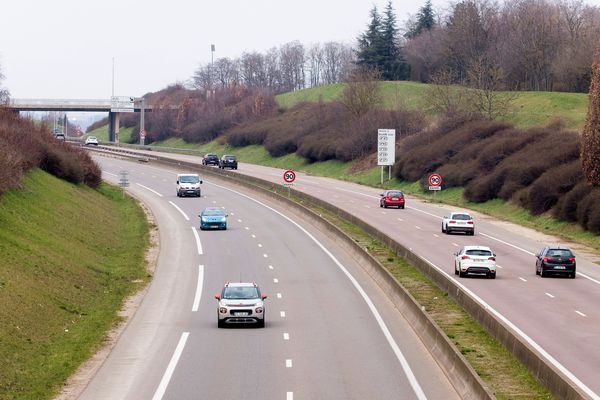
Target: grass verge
70, 256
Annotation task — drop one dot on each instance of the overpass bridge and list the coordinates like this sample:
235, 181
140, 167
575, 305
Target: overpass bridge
112, 106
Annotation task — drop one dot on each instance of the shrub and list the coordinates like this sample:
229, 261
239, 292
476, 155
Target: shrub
566, 207
553, 184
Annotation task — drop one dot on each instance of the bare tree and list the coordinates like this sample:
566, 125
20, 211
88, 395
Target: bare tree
292, 61
225, 72
425, 53
4, 93
316, 61
485, 97
362, 92
252, 70
338, 62
443, 96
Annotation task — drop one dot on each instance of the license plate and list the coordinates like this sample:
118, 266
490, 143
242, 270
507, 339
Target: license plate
241, 314
559, 267
395, 199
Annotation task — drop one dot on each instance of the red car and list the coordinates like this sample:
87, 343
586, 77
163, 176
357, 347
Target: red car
392, 198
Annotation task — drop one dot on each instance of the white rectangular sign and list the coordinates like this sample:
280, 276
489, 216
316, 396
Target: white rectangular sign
386, 146
121, 104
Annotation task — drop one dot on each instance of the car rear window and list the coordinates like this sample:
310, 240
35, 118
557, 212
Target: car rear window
240, 293
395, 194
559, 253
479, 253
463, 217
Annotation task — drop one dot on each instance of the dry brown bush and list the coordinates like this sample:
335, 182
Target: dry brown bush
553, 184
566, 207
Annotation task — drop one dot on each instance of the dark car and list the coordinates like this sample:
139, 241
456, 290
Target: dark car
555, 260
392, 198
228, 161
210, 159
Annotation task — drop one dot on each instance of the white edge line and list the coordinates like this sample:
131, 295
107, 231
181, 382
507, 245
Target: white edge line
289, 396
109, 173
198, 295
152, 190
522, 334
549, 295
580, 313
198, 244
386, 332
180, 210
164, 382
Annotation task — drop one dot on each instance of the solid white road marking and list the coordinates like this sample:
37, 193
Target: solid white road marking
580, 313
454, 244
152, 190
196, 303
289, 396
400, 219
549, 295
164, 382
109, 173
436, 235
288, 363
282, 314
286, 336
275, 280
523, 279
180, 210
418, 227
384, 329
279, 295
198, 244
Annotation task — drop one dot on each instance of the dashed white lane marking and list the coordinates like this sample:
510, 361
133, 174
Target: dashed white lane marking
198, 244
282, 314
499, 266
383, 212
523, 279
286, 336
436, 235
180, 210
549, 295
196, 303
259, 245
239, 220
454, 244
418, 227
232, 213
253, 236
400, 219
279, 295
247, 228
288, 363
214, 202
275, 280
289, 396
152, 190
164, 382
580, 313
265, 255
367, 206
270, 267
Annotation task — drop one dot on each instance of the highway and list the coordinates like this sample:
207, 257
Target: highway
331, 333
559, 316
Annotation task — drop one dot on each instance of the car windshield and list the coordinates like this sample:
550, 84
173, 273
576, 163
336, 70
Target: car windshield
395, 194
477, 252
241, 293
211, 155
230, 158
213, 212
559, 253
463, 217
189, 179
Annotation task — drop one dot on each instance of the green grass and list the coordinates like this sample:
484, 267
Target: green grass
70, 256
102, 134
528, 109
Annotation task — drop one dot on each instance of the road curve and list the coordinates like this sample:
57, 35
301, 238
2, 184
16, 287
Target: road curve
322, 340
559, 316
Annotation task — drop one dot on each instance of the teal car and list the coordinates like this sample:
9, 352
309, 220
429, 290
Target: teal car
213, 218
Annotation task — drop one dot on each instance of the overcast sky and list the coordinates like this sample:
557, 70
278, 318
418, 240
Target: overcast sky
65, 48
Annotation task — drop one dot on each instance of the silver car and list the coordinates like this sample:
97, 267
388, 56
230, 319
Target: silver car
240, 303
458, 221
475, 260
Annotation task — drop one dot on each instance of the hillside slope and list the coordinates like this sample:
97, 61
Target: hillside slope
70, 255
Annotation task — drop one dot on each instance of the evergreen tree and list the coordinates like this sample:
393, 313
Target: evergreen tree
393, 66
590, 139
370, 45
425, 21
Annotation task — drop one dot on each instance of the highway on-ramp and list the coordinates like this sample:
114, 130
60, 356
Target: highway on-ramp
331, 333
558, 316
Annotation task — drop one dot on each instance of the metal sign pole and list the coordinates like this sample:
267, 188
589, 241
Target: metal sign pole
382, 176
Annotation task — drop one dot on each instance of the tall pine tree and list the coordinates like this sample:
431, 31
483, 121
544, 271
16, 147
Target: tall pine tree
425, 21
370, 45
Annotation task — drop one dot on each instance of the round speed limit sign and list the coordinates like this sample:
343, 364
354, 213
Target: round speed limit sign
289, 176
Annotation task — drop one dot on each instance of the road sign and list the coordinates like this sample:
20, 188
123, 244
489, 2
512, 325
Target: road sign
124, 178
386, 146
435, 180
435, 188
289, 176
143, 134
122, 104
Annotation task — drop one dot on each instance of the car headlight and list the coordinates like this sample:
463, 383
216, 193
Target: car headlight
223, 219
204, 219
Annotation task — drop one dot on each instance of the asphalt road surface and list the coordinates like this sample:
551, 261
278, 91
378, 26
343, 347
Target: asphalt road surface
331, 333
559, 316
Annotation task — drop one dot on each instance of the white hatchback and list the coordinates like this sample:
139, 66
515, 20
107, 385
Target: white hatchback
479, 260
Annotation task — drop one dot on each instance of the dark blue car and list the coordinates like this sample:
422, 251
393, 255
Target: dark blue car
213, 218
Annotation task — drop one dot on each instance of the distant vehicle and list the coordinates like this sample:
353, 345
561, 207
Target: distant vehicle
213, 218
228, 161
188, 184
240, 303
60, 137
210, 159
392, 198
458, 222
475, 260
91, 140
555, 260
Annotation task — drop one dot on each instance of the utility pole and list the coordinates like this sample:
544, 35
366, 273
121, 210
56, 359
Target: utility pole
212, 54
113, 78
142, 129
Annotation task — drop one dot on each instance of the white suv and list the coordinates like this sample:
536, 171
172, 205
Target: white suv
188, 184
458, 221
475, 260
241, 303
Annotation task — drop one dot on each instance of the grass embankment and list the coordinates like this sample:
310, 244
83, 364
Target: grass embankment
528, 108
102, 134
70, 255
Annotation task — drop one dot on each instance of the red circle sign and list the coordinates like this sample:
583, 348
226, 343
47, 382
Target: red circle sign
289, 176
435, 180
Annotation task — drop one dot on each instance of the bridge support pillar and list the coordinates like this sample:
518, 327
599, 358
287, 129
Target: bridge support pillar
113, 127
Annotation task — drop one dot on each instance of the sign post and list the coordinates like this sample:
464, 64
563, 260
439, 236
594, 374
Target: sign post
123, 180
386, 150
289, 177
